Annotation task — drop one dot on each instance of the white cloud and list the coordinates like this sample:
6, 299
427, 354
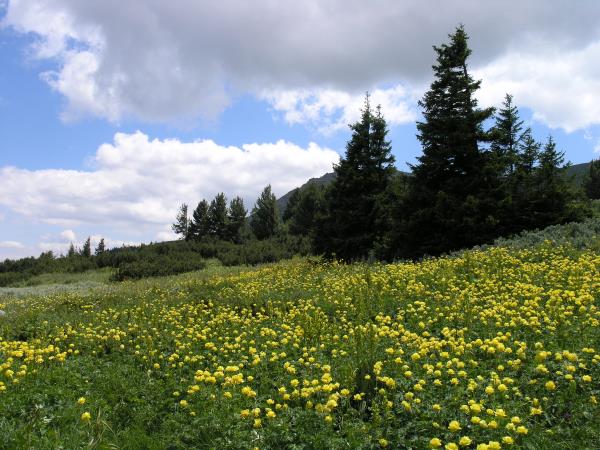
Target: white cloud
561, 87
68, 236
330, 110
11, 244
160, 61
139, 183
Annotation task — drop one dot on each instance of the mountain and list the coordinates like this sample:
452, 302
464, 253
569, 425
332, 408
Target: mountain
578, 172
322, 180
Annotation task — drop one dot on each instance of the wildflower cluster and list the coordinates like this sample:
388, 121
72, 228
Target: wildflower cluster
488, 350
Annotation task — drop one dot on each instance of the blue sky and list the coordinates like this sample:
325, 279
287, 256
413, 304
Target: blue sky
107, 125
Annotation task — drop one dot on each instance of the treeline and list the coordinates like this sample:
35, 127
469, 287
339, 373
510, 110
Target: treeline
156, 259
470, 185
216, 220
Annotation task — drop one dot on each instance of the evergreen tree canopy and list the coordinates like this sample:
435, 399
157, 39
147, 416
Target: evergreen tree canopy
552, 192
350, 227
291, 205
451, 199
236, 219
308, 208
200, 224
506, 136
592, 184
217, 216
265, 217
181, 225
71, 251
101, 248
87, 248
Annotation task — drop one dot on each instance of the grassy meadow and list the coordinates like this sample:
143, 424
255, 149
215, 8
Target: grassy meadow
491, 348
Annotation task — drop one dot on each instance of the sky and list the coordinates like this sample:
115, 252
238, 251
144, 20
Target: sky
114, 113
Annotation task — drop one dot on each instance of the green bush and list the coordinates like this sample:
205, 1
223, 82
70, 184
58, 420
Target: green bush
159, 266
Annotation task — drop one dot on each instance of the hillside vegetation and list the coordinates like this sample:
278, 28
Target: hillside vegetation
494, 348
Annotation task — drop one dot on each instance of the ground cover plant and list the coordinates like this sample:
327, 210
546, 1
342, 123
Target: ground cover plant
492, 348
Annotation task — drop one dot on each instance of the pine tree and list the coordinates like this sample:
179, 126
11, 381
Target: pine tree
236, 219
529, 153
506, 136
350, 227
552, 193
217, 216
200, 224
592, 184
453, 185
71, 253
87, 248
100, 248
181, 225
309, 206
523, 184
291, 205
265, 219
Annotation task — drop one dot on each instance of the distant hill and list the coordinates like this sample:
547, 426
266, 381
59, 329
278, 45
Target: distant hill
322, 181
578, 171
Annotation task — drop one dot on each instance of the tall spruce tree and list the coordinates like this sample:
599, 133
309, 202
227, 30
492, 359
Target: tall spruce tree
217, 216
72, 252
236, 219
181, 225
553, 193
86, 250
592, 183
450, 202
351, 226
265, 220
523, 184
308, 208
291, 205
100, 248
506, 136
199, 225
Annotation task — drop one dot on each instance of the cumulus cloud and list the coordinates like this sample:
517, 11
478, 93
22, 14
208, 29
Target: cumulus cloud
562, 87
138, 183
68, 236
160, 61
330, 110
11, 244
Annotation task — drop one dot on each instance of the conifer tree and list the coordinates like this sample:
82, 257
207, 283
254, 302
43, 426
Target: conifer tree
100, 248
523, 185
592, 183
350, 227
553, 193
71, 251
217, 216
236, 219
291, 205
199, 225
450, 199
265, 219
309, 206
87, 248
181, 225
506, 136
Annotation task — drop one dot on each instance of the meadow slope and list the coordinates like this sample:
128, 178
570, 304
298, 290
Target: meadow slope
494, 348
